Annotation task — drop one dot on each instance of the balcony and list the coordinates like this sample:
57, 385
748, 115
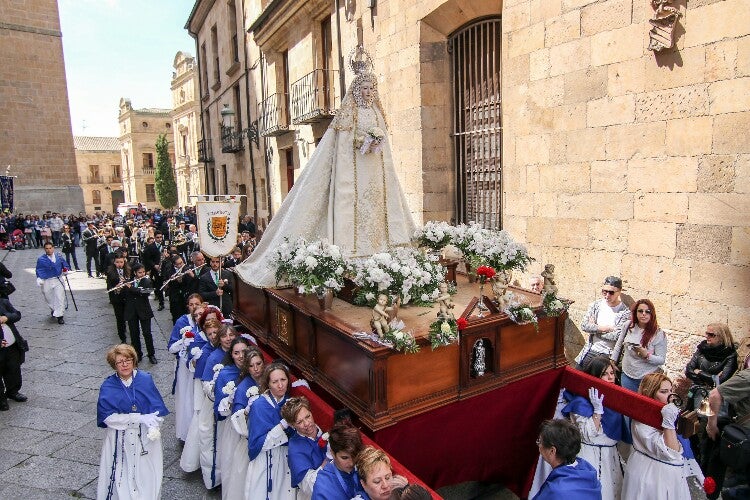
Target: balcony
95, 179
315, 96
231, 141
205, 153
148, 170
273, 115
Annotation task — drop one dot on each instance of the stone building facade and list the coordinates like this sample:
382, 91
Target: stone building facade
550, 119
139, 129
99, 172
36, 139
232, 161
189, 172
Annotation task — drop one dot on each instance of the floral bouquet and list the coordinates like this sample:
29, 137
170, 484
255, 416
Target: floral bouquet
521, 313
466, 237
434, 235
372, 141
310, 265
443, 332
496, 249
401, 341
403, 272
552, 306
485, 273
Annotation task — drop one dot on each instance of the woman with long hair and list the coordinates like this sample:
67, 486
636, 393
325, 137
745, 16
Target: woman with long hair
655, 469
643, 345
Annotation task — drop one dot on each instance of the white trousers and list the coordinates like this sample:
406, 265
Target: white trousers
54, 295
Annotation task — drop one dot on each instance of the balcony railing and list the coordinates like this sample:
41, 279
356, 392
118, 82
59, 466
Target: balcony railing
95, 179
148, 170
315, 96
231, 141
273, 115
205, 153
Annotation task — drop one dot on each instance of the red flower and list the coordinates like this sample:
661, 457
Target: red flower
485, 271
709, 485
189, 335
322, 443
65, 269
462, 323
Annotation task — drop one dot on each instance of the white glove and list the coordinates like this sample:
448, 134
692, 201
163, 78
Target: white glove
300, 383
39, 281
284, 424
669, 415
151, 419
597, 401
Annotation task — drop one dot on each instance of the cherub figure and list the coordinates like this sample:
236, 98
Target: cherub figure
445, 303
381, 316
549, 279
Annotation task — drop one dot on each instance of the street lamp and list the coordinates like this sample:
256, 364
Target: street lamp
251, 132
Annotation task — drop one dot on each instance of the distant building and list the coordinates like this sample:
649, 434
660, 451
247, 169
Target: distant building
99, 173
189, 173
36, 139
139, 129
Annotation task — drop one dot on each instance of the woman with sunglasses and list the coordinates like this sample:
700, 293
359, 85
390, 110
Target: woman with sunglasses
603, 321
643, 345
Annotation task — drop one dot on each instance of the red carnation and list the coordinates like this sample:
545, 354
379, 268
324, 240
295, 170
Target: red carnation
709, 485
462, 323
189, 335
322, 442
485, 271
65, 269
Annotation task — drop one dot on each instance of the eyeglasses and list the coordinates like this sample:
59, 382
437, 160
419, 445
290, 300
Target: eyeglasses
609, 292
710, 335
124, 362
644, 311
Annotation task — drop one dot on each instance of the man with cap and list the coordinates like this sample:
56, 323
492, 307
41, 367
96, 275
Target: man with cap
49, 269
603, 321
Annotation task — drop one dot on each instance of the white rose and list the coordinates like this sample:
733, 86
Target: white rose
369, 296
405, 270
399, 335
425, 297
445, 327
339, 271
311, 262
252, 391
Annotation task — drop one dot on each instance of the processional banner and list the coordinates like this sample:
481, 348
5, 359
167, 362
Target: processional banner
217, 226
6, 192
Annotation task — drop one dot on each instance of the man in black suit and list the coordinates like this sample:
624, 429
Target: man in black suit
138, 313
12, 355
152, 263
118, 273
216, 287
191, 281
90, 237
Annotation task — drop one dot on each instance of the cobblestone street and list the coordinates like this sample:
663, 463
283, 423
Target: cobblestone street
50, 445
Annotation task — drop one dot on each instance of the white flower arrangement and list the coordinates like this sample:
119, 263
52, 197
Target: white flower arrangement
496, 249
217, 367
196, 352
401, 340
229, 388
443, 332
310, 265
153, 433
225, 406
552, 306
372, 141
403, 272
521, 312
252, 391
435, 235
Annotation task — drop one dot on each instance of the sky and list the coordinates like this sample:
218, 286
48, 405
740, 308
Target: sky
120, 48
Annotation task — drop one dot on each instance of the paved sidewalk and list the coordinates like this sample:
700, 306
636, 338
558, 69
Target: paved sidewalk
50, 445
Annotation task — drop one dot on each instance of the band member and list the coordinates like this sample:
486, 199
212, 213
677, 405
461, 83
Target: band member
90, 237
233, 259
190, 280
49, 269
138, 313
118, 274
176, 288
152, 263
217, 287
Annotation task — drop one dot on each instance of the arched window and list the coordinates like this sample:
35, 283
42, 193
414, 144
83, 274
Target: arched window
477, 121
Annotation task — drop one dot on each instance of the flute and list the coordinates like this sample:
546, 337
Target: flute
120, 286
180, 275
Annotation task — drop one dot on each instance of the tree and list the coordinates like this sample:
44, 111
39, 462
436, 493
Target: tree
166, 189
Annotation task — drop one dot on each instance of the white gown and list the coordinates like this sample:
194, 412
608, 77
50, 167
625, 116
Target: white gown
601, 451
654, 471
191, 452
233, 486
353, 200
183, 391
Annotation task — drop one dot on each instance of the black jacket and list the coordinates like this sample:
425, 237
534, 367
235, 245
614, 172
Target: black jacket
136, 302
113, 279
151, 257
720, 360
13, 315
207, 288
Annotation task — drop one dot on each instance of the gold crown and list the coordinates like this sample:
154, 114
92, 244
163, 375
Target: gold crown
360, 60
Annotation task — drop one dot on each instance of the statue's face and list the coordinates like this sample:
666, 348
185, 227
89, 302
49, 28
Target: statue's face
366, 91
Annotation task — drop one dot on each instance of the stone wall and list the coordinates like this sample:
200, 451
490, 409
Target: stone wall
622, 161
36, 138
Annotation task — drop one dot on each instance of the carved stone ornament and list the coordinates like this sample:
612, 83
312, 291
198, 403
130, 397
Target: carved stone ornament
661, 34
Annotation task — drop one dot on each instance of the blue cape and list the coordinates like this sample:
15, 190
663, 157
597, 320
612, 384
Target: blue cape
200, 365
240, 397
304, 455
227, 374
114, 397
213, 359
264, 415
333, 484
577, 482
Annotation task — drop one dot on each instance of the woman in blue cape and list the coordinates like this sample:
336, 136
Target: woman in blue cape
601, 429
307, 446
131, 409
268, 473
247, 392
338, 480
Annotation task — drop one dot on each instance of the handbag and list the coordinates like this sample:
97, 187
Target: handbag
735, 444
6, 288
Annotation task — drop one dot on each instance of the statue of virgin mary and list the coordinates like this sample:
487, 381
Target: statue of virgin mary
348, 193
